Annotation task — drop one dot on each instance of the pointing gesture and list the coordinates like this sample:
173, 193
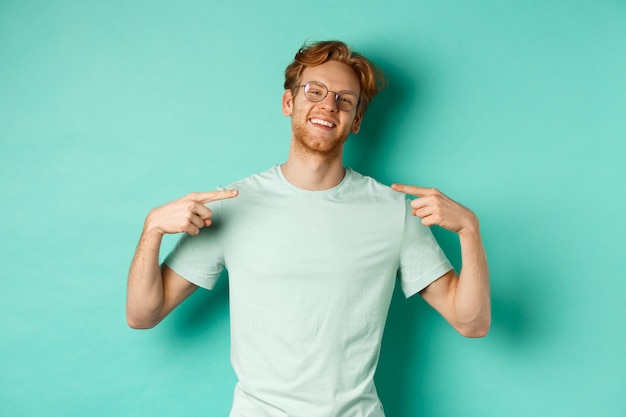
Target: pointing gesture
435, 208
187, 214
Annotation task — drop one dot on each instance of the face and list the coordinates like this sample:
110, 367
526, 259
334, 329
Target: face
321, 128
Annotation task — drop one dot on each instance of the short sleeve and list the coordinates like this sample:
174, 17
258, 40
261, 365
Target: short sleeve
200, 258
421, 259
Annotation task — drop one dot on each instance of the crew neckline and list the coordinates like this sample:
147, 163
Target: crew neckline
345, 180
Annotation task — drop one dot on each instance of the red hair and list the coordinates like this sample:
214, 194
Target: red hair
309, 55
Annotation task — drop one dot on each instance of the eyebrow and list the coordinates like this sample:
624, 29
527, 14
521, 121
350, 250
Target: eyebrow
340, 91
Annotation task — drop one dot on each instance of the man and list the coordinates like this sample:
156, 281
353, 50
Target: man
313, 251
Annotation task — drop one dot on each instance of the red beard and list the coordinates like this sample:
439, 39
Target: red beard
329, 147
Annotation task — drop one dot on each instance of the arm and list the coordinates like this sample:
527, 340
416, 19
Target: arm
154, 291
463, 301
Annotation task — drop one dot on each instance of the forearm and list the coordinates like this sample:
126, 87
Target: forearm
145, 283
153, 292
472, 295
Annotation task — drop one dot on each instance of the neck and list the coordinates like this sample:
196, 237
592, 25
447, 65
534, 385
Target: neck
313, 172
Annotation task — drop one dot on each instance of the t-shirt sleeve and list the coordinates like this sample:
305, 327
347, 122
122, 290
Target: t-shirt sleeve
200, 258
421, 259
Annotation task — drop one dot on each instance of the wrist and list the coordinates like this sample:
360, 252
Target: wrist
151, 227
471, 227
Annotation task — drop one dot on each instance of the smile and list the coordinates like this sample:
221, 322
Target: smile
322, 122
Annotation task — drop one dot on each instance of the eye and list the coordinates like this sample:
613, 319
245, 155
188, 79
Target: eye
315, 91
346, 98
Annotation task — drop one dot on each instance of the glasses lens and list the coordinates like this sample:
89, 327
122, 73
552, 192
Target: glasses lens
315, 91
346, 100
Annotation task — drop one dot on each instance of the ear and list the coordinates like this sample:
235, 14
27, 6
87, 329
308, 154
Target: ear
356, 123
287, 102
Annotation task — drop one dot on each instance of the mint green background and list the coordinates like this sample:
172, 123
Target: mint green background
515, 108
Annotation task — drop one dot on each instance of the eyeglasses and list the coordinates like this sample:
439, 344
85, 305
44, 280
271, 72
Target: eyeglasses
315, 91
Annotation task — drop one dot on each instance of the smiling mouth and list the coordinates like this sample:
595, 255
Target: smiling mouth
322, 122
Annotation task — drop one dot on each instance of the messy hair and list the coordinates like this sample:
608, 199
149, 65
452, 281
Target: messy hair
309, 55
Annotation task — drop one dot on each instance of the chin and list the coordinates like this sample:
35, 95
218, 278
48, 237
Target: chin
319, 147
306, 143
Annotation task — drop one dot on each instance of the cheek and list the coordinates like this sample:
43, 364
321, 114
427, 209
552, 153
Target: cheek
300, 110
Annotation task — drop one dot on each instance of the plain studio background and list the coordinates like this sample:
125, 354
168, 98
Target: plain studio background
514, 108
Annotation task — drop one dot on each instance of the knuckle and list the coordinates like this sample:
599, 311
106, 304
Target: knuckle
190, 205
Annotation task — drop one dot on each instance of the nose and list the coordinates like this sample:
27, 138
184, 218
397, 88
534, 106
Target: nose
330, 102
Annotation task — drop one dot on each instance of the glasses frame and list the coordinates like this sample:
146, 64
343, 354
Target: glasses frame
339, 104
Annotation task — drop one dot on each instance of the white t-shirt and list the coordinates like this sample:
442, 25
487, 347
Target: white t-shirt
311, 275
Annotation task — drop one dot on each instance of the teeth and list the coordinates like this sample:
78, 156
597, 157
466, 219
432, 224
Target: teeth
322, 122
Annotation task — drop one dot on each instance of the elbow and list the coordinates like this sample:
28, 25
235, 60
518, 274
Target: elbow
474, 330
138, 325
138, 322
475, 333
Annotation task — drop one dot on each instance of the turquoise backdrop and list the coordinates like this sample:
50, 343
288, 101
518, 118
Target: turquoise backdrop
515, 108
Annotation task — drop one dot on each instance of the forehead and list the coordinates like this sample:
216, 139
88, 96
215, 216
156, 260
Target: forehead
336, 75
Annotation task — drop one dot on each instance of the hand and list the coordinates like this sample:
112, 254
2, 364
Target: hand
187, 214
435, 208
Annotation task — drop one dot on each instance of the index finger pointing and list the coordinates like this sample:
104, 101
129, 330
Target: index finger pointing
413, 190
209, 196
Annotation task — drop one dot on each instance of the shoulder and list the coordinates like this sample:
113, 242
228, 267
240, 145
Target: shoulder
253, 189
372, 188
253, 181
264, 182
